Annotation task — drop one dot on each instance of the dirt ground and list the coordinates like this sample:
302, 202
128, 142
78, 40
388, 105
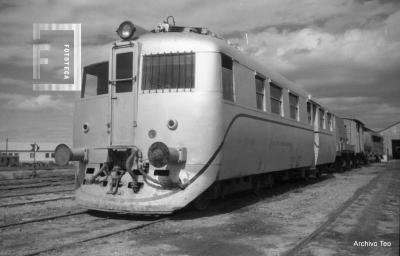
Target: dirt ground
275, 222
272, 223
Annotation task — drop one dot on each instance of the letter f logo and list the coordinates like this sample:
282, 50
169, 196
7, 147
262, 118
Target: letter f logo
37, 61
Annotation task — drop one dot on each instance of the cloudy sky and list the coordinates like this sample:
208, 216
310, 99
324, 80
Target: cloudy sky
344, 52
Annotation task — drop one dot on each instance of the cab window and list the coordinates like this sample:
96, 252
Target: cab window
95, 80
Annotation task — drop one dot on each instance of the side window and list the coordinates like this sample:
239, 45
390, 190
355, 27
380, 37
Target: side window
168, 71
276, 99
321, 118
95, 80
227, 77
329, 118
334, 122
309, 113
294, 106
260, 92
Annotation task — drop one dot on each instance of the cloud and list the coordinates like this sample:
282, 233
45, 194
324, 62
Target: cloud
343, 51
7, 81
33, 103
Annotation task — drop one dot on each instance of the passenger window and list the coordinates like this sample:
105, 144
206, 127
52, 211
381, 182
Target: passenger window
330, 125
309, 114
227, 77
95, 80
294, 106
276, 99
260, 92
168, 71
321, 118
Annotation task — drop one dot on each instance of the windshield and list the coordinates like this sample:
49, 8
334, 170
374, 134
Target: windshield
95, 80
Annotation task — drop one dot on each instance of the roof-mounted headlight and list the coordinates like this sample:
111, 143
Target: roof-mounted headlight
126, 30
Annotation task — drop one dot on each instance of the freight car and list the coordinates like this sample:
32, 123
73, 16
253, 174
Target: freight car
373, 145
179, 116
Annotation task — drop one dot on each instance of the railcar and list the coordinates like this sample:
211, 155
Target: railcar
355, 138
373, 145
179, 116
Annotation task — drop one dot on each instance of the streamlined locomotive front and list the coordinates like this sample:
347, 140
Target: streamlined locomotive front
135, 129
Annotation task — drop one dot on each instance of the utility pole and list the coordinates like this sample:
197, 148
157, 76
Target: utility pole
35, 147
6, 146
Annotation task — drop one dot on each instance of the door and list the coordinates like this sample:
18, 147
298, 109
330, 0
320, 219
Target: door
315, 113
396, 149
124, 93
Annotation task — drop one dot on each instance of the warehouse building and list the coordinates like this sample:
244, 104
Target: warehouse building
391, 138
16, 153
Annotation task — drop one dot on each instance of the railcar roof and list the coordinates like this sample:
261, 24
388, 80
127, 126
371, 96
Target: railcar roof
166, 42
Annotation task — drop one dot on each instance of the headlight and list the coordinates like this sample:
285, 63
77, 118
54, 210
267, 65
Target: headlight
63, 154
126, 30
158, 154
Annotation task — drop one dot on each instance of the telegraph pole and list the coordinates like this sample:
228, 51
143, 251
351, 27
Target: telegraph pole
35, 147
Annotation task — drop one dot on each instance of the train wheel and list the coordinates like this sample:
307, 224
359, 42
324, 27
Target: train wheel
318, 173
256, 186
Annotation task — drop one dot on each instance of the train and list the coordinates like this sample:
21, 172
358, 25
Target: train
179, 116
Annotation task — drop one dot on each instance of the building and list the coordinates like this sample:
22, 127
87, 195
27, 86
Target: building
391, 139
14, 153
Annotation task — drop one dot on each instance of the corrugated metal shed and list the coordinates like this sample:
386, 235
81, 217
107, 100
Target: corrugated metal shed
391, 140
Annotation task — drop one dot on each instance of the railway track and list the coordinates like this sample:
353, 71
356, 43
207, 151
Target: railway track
33, 181
35, 201
36, 193
37, 185
104, 235
80, 227
332, 217
47, 218
50, 239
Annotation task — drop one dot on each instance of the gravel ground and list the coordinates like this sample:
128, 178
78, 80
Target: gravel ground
20, 213
373, 217
243, 224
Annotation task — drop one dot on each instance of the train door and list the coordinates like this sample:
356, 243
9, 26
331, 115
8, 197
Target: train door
124, 70
315, 113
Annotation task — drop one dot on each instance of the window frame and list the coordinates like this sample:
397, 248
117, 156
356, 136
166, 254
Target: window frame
170, 74
322, 118
310, 120
85, 73
232, 96
297, 107
272, 99
329, 120
259, 77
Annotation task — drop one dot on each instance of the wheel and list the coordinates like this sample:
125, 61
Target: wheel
318, 173
256, 187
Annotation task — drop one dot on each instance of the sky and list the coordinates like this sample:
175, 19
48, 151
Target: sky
346, 53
